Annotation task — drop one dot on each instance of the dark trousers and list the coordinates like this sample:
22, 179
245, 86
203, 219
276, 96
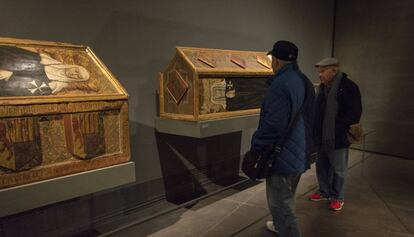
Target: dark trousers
331, 170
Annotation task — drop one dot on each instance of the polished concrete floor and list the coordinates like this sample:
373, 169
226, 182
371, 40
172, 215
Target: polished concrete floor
379, 202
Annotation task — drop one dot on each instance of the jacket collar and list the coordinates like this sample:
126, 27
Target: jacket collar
287, 67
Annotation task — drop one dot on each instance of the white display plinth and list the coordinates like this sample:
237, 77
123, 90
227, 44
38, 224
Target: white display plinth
28, 196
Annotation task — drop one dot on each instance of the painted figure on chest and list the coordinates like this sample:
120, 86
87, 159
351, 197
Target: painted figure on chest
27, 73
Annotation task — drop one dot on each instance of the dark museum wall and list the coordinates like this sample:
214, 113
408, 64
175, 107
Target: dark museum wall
374, 42
136, 40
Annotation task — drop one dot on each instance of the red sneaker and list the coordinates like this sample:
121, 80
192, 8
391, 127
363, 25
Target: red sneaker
316, 197
336, 205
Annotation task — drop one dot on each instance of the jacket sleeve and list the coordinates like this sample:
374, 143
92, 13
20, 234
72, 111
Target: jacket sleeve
353, 106
275, 116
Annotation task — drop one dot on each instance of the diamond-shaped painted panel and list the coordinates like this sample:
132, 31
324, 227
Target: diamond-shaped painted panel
176, 86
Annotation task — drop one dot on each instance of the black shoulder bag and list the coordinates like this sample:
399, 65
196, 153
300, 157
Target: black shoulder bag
258, 165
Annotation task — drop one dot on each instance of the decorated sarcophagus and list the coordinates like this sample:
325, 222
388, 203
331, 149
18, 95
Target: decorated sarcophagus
203, 84
61, 112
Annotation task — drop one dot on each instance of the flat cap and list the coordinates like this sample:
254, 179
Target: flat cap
327, 62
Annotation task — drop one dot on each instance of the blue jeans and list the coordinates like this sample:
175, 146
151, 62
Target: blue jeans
331, 170
280, 191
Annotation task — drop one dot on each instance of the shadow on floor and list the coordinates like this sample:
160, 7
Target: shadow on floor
379, 194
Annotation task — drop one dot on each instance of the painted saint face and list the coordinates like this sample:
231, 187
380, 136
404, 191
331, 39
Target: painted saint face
77, 72
66, 73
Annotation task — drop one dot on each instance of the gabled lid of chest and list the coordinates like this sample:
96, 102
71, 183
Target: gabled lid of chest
219, 62
38, 72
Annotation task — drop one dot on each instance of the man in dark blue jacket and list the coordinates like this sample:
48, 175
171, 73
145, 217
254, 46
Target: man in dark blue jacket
290, 92
338, 106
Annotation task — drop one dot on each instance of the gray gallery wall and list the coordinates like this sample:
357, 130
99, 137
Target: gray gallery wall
136, 40
374, 42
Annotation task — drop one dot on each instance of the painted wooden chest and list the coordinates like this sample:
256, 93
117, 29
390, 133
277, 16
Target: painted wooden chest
61, 112
204, 84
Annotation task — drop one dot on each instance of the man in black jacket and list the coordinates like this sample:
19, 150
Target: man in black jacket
338, 106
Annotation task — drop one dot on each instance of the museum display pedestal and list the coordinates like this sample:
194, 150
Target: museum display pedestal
29, 196
206, 98
64, 126
198, 156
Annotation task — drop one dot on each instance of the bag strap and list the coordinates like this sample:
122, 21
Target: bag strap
277, 146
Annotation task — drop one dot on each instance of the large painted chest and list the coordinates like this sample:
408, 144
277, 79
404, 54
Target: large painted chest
205, 84
61, 112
